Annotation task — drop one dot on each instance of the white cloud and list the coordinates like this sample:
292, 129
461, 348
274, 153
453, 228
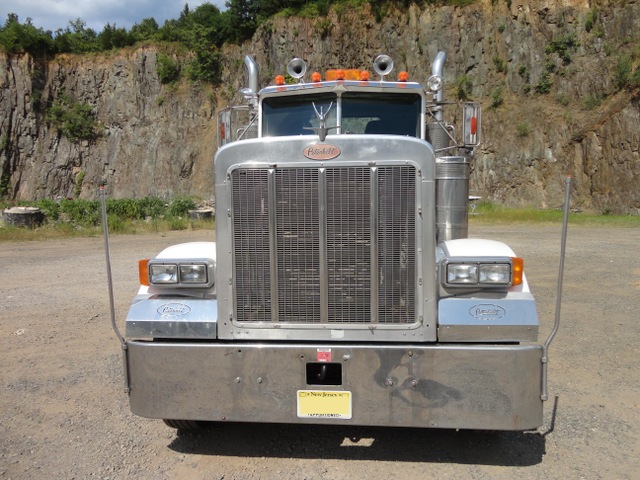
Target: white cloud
55, 14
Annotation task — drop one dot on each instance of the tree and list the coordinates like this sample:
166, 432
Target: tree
76, 38
112, 37
145, 30
18, 38
242, 18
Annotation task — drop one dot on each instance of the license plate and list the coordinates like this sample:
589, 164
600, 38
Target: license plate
324, 404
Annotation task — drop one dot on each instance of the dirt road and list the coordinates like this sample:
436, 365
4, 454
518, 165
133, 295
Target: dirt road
63, 413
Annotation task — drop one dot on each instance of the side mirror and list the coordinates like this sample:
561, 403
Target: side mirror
224, 127
472, 116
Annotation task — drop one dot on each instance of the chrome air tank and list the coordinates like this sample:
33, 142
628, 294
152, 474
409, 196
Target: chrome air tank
452, 196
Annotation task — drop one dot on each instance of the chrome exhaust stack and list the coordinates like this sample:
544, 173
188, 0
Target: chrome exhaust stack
251, 73
452, 172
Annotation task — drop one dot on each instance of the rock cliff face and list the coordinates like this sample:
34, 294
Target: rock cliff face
548, 73
152, 140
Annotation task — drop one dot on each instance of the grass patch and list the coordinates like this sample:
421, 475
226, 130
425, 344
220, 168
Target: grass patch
59, 230
491, 213
82, 218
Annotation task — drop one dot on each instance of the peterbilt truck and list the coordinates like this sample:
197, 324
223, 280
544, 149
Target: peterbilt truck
342, 286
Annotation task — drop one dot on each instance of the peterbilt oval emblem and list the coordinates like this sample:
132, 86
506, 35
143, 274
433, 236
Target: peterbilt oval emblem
323, 151
174, 309
487, 311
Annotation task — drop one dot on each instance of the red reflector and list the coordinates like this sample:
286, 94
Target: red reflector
474, 125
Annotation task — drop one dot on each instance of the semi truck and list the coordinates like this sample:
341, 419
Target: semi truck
342, 286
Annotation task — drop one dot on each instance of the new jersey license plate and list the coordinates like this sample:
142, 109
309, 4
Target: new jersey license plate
324, 404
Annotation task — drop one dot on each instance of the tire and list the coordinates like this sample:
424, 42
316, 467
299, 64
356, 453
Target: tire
185, 425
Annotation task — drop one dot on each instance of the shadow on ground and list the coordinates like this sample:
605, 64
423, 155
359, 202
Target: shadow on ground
364, 443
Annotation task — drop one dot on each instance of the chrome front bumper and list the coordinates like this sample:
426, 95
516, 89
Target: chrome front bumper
440, 386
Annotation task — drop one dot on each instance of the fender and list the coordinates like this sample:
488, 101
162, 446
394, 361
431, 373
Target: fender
167, 312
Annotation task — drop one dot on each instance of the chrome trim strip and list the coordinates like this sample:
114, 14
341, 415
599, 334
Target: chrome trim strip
324, 270
273, 245
375, 273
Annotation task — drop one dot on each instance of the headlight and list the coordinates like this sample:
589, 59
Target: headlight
163, 274
461, 274
196, 273
490, 272
183, 273
496, 274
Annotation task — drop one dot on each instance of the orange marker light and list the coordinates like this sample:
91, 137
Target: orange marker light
364, 76
403, 76
340, 74
518, 270
143, 272
280, 80
316, 77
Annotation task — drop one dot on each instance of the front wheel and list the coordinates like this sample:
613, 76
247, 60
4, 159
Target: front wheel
186, 425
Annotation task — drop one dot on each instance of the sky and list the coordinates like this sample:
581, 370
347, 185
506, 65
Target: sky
55, 14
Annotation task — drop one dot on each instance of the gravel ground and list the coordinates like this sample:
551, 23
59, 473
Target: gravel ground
63, 412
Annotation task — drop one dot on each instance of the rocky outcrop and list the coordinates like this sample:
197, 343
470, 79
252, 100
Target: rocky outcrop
151, 139
546, 72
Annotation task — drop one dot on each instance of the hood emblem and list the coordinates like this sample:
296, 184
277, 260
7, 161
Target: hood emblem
322, 151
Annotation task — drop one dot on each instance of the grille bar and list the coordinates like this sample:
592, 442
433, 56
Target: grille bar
324, 245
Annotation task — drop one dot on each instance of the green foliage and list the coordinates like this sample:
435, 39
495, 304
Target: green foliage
464, 87
624, 75
206, 66
564, 45
590, 20
87, 213
77, 38
84, 213
113, 37
324, 27
74, 120
180, 206
50, 208
18, 38
523, 129
380, 10
145, 30
496, 97
593, 101
5, 181
563, 99
79, 180
168, 69
500, 64
544, 84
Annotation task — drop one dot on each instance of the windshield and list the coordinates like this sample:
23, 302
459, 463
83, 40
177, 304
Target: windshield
362, 112
390, 113
289, 115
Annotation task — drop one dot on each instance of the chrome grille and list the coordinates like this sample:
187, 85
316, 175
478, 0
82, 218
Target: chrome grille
251, 245
349, 244
297, 242
314, 245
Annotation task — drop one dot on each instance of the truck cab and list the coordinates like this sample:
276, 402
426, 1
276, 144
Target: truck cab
342, 286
